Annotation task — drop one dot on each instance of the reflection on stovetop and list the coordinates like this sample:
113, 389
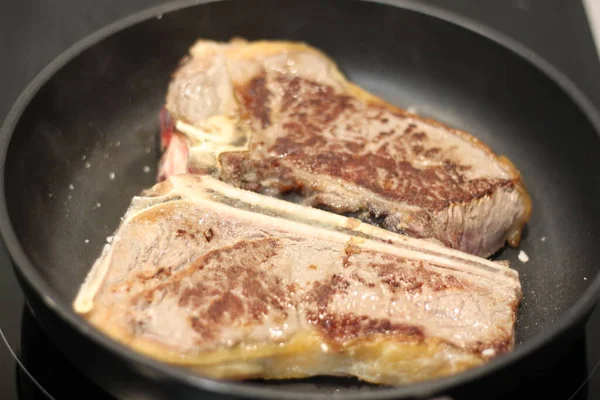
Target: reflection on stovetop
63, 381
50, 368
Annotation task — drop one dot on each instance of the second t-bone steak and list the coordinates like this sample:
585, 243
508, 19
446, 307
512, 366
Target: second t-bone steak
280, 119
236, 285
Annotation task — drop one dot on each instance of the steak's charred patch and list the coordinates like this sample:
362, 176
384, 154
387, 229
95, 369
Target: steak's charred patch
345, 327
233, 288
323, 292
256, 96
412, 280
209, 234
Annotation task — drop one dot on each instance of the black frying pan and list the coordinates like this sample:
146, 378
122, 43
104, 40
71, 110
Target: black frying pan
94, 111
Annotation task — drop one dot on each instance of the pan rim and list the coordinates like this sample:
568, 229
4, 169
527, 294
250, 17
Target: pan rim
62, 309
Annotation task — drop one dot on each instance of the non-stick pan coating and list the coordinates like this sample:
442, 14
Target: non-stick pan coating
98, 116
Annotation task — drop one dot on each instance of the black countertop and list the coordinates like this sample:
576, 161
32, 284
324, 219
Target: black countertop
34, 32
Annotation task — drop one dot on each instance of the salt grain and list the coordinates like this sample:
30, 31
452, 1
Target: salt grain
98, 205
105, 155
412, 109
146, 169
71, 187
584, 278
87, 240
148, 150
118, 143
50, 195
523, 257
111, 176
109, 239
87, 165
543, 239
83, 157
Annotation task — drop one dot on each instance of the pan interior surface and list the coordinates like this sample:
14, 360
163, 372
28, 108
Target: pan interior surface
88, 142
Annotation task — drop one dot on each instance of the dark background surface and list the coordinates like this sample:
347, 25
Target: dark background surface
32, 33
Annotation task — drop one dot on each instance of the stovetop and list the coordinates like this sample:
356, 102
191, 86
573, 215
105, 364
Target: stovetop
33, 32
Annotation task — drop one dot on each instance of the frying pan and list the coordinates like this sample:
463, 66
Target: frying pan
74, 148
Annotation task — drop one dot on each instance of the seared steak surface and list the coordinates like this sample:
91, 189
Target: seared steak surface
236, 285
279, 118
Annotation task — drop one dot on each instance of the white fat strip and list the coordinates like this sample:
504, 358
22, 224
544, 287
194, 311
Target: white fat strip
440, 255
337, 220
207, 146
84, 302
223, 128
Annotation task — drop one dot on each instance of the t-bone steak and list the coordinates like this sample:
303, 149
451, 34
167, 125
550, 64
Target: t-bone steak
234, 284
280, 119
